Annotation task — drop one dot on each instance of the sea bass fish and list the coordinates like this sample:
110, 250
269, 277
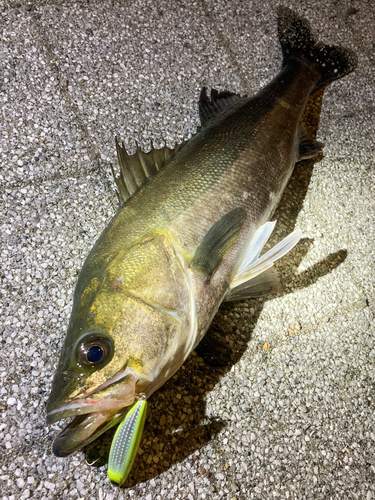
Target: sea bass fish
187, 236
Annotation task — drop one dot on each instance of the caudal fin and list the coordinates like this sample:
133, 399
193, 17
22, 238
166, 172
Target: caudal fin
296, 41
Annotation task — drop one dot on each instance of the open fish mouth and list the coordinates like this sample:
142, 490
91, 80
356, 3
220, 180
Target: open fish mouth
94, 411
84, 429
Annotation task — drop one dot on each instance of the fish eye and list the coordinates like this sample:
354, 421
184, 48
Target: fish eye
95, 354
95, 350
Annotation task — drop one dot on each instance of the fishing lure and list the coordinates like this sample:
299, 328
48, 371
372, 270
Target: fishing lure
126, 442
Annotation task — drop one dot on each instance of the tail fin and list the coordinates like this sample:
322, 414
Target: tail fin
296, 41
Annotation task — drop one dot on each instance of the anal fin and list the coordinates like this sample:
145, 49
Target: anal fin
309, 148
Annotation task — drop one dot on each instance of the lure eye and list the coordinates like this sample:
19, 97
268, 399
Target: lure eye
95, 350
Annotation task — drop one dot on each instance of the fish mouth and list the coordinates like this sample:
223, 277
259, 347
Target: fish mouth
95, 412
83, 430
123, 393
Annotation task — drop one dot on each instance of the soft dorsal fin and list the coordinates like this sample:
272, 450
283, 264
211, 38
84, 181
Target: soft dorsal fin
218, 241
135, 170
218, 104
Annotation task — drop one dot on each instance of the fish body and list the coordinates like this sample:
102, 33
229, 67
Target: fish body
186, 239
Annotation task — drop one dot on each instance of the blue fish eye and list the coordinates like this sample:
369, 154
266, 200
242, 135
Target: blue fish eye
95, 350
95, 354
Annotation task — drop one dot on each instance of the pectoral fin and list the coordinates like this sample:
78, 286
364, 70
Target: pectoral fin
218, 241
253, 276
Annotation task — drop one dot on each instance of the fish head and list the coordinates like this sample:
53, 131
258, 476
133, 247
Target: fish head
123, 335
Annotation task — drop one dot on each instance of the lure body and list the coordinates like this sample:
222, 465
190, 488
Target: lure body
126, 442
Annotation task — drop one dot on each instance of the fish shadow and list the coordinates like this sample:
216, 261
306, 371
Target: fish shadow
178, 425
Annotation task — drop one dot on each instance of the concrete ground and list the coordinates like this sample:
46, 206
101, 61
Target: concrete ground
291, 413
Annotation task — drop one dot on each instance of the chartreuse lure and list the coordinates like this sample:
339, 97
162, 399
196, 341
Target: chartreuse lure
126, 441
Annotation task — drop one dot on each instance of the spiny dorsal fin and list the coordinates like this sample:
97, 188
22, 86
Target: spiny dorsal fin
218, 241
135, 170
219, 102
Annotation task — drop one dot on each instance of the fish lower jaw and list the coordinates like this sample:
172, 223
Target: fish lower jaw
83, 430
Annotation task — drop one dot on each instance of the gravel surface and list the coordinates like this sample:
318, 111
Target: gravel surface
291, 413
